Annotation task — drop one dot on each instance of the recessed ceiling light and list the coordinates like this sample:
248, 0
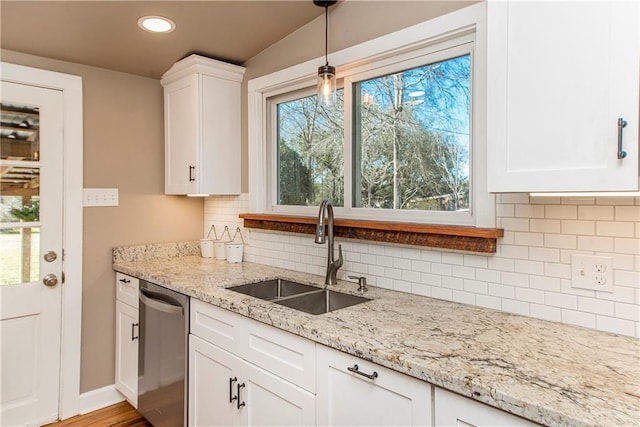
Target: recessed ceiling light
156, 24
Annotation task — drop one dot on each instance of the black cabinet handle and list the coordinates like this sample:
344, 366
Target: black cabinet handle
356, 370
133, 335
191, 170
231, 396
240, 405
125, 280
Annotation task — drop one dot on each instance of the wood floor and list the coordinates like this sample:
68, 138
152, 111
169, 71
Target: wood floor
118, 415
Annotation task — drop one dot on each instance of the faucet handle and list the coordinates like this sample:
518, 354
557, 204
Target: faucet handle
362, 282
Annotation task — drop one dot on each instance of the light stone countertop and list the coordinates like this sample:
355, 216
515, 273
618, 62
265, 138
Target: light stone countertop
547, 372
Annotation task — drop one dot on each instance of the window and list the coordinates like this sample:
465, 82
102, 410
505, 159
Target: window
400, 143
309, 150
411, 138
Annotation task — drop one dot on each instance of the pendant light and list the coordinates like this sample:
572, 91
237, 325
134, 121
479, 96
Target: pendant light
326, 73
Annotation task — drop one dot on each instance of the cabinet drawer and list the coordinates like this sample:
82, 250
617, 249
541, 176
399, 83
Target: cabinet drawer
369, 395
282, 353
127, 289
217, 325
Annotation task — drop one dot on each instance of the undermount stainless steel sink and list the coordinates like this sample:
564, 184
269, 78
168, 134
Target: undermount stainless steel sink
321, 301
273, 289
298, 296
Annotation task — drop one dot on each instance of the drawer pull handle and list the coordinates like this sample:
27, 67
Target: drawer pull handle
231, 396
622, 123
356, 370
133, 333
125, 280
240, 405
191, 170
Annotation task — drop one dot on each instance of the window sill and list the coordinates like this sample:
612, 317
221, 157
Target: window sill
483, 240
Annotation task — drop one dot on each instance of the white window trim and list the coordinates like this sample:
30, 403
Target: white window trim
385, 50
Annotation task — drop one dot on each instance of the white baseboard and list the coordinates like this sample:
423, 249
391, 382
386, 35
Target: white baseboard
99, 398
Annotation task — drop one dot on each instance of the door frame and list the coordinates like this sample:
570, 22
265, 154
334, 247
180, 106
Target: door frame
71, 88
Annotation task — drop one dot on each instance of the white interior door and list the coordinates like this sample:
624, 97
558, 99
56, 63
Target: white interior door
31, 199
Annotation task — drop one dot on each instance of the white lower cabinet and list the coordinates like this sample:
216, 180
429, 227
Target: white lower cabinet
225, 390
451, 409
353, 392
127, 330
266, 378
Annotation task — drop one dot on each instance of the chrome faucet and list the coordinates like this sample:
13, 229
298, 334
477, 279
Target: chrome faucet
333, 265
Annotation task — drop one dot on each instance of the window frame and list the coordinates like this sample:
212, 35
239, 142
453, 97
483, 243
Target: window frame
462, 32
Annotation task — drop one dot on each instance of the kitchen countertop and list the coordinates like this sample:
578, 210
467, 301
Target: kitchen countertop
547, 372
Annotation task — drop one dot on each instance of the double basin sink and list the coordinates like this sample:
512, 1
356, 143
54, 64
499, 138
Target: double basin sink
307, 298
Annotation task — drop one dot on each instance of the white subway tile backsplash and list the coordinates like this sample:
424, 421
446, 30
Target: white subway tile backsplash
557, 299
530, 295
545, 312
560, 212
585, 228
627, 213
441, 293
530, 274
529, 267
579, 318
561, 241
530, 211
528, 239
616, 326
545, 225
599, 213
627, 246
593, 305
464, 272
596, 244
627, 311
616, 229
516, 307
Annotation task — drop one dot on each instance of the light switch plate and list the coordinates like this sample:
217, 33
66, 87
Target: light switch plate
100, 197
592, 272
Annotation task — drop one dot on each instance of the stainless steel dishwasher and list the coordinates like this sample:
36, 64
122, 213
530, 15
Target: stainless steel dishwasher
162, 358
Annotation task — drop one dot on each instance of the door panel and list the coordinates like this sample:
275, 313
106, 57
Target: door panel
31, 197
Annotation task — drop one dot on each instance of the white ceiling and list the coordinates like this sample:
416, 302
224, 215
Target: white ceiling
105, 33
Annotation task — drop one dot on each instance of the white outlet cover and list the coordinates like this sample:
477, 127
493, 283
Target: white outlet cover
592, 272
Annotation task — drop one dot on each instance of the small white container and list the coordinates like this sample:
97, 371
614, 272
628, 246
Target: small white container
221, 252
206, 248
234, 252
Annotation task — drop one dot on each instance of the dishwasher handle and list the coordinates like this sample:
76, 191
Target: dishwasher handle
160, 305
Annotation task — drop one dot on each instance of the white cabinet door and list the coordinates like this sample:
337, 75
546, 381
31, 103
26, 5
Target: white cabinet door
224, 390
127, 351
181, 136
272, 401
560, 75
345, 398
211, 384
451, 409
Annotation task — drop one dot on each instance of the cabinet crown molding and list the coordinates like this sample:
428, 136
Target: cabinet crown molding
196, 64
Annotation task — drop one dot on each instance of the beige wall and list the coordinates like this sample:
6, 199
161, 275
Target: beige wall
350, 23
123, 148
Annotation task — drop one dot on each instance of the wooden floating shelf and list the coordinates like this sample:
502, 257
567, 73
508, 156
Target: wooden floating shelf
460, 238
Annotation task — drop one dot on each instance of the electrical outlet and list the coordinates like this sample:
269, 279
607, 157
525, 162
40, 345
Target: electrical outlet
591, 272
100, 197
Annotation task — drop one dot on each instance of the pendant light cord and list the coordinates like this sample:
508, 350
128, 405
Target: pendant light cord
326, 33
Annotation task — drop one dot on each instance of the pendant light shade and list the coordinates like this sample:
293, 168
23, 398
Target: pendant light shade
326, 73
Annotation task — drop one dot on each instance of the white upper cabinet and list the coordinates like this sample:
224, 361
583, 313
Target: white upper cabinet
560, 76
202, 127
